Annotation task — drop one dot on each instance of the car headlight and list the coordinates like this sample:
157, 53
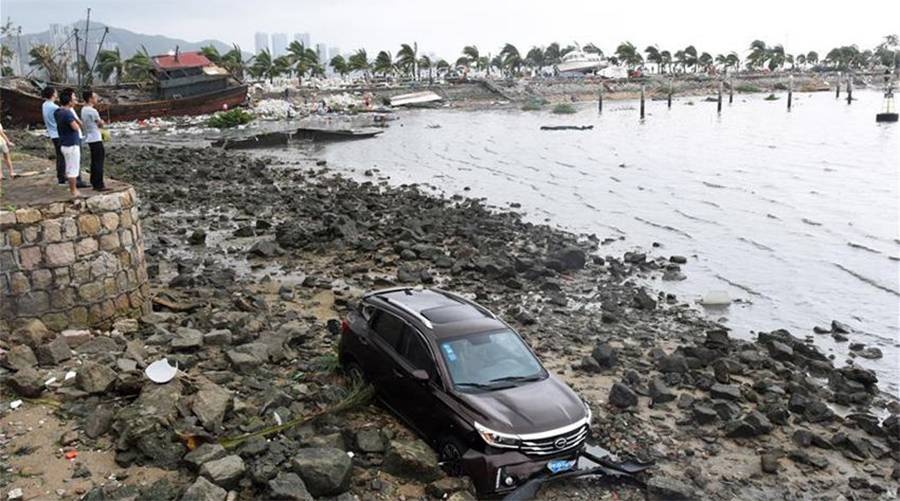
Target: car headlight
590, 415
497, 439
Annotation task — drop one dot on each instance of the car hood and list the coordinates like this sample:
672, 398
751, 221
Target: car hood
528, 408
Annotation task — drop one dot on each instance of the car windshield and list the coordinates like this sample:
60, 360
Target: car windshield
490, 361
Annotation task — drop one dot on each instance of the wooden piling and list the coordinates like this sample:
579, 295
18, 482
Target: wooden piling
849, 90
790, 91
731, 91
669, 99
719, 100
837, 87
642, 101
600, 100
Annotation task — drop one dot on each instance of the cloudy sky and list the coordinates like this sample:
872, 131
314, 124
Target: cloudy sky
444, 27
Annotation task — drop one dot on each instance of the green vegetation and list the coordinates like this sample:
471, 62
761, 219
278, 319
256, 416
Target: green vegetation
746, 88
230, 118
772, 97
534, 104
563, 109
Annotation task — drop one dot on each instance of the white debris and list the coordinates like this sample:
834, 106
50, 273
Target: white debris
15, 494
15, 404
160, 371
50, 381
277, 418
274, 109
716, 298
69, 375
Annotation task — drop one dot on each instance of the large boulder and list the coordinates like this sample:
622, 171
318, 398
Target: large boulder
95, 378
412, 459
289, 486
27, 382
325, 471
204, 490
210, 404
19, 357
605, 355
224, 472
622, 396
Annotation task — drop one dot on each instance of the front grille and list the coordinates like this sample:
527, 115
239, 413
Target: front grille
556, 443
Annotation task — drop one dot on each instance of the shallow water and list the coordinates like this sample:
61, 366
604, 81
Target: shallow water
793, 213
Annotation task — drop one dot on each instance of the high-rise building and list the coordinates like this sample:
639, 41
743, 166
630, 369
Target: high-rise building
303, 38
322, 52
261, 41
279, 44
334, 51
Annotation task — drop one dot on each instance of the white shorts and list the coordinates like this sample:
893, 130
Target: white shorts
72, 155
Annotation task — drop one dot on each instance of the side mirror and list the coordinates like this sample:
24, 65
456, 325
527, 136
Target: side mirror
421, 376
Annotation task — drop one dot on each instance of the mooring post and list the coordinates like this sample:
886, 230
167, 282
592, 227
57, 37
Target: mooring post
837, 87
719, 100
600, 100
849, 89
642, 101
731, 91
790, 91
669, 99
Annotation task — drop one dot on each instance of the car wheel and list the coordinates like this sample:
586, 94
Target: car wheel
450, 453
354, 372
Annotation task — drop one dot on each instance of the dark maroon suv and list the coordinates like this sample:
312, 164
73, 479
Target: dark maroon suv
467, 383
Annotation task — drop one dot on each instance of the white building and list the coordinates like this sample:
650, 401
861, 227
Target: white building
261, 41
279, 44
303, 38
322, 52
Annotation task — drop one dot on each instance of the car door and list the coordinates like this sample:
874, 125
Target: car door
417, 400
386, 331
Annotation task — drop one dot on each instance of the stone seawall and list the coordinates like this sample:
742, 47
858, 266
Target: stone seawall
73, 264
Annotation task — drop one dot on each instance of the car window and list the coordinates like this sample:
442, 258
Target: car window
415, 352
492, 358
389, 328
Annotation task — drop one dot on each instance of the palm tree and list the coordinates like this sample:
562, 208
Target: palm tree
406, 59
627, 53
654, 56
424, 63
339, 65
800, 59
42, 56
442, 67
233, 62
264, 67
212, 54
472, 56
592, 49
512, 60
690, 57
301, 60
535, 59
6, 54
705, 60
776, 57
552, 54
759, 53
359, 61
812, 57
732, 60
139, 67
887, 53
109, 63
384, 63
665, 59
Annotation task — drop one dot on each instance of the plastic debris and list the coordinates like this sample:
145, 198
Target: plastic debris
161, 372
15, 404
15, 494
277, 418
70, 455
716, 298
50, 381
69, 375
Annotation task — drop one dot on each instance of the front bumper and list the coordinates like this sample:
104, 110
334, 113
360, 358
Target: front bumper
500, 471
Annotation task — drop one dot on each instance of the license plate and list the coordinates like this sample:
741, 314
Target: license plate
558, 465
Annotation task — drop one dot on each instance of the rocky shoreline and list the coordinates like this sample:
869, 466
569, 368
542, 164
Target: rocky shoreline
252, 263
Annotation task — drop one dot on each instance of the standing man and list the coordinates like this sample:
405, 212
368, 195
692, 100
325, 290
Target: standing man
69, 138
48, 110
92, 125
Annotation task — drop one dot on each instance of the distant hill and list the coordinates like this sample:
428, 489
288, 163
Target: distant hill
127, 41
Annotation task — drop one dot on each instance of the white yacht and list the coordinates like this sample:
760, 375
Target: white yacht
579, 61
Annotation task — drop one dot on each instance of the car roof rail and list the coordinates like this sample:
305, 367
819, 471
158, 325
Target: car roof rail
392, 289
465, 300
419, 316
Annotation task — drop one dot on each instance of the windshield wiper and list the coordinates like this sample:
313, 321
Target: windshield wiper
515, 379
474, 385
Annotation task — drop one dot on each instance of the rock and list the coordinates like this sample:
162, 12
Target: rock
818, 329
622, 396
871, 353
198, 237
187, 339
54, 352
218, 337
726, 391
27, 382
98, 421
204, 454
644, 301
678, 259
769, 463
571, 258
95, 378
659, 392
204, 490
704, 414
668, 489
446, 486
672, 363
802, 457
75, 338
781, 351
840, 327
210, 404
265, 249
289, 486
32, 333
126, 325
325, 471
605, 355
412, 459
19, 357
224, 472
370, 440
751, 425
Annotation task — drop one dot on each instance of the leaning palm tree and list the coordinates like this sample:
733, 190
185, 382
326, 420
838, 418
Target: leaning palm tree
512, 60
109, 63
233, 62
384, 63
759, 53
263, 66
552, 54
211, 53
301, 59
705, 60
733, 60
776, 57
43, 57
665, 59
535, 59
339, 65
406, 59
359, 61
442, 67
690, 57
812, 57
627, 53
471, 55
654, 56
139, 67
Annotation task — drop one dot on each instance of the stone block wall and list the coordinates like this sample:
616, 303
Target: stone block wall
71, 264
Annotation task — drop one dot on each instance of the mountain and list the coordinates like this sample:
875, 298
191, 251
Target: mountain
127, 41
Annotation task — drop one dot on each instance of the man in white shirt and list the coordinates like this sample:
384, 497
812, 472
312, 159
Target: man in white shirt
92, 136
47, 111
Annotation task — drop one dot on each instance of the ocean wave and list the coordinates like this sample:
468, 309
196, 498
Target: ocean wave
714, 185
866, 280
664, 227
756, 244
863, 247
695, 218
742, 287
811, 222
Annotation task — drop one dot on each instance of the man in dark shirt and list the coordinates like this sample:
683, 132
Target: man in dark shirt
69, 129
47, 111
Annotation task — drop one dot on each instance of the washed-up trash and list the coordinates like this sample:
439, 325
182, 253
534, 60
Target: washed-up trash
70, 455
50, 381
69, 375
160, 371
277, 418
15, 494
716, 298
15, 404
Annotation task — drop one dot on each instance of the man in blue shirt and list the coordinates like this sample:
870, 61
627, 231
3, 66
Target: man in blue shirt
69, 131
47, 110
